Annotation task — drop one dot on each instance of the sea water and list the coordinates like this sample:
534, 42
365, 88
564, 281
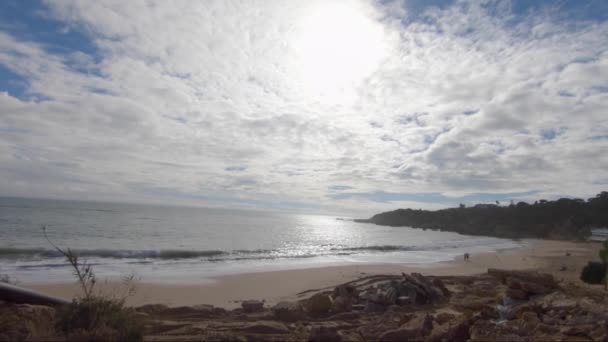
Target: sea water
178, 244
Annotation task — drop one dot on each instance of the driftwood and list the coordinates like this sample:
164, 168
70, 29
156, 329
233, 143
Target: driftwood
19, 295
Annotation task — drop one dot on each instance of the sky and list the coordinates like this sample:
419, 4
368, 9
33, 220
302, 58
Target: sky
324, 106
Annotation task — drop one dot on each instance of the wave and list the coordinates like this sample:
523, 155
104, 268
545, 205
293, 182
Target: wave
110, 253
218, 255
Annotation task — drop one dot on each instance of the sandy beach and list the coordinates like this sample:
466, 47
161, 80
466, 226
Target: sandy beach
228, 291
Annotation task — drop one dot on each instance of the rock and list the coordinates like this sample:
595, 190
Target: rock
342, 304
23, 322
404, 300
324, 334
516, 294
531, 277
319, 304
264, 328
440, 285
345, 316
359, 307
401, 334
530, 288
488, 312
347, 291
444, 317
371, 306
488, 331
414, 328
422, 323
421, 290
454, 330
152, 308
187, 312
288, 311
250, 306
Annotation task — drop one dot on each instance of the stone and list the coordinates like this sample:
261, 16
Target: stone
423, 322
287, 311
345, 316
324, 334
347, 291
250, 306
488, 331
530, 288
23, 322
455, 330
401, 334
444, 317
439, 284
371, 306
152, 308
319, 304
342, 304
532, 278
404, 300
264, 328
516, 294
414, 328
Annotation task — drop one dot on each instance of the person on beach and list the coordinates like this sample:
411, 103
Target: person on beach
466, 256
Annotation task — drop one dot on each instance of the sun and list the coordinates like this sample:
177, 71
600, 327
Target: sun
337, 46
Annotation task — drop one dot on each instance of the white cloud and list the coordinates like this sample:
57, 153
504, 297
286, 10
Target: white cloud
181, 90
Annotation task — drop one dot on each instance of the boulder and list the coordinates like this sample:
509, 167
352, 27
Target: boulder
185, 312
324, 334
415, 329
152, 308
250, 306
489, 331
533, 278
441, 286
342, 304
319, 304
262, 327
516, 294
20, 322
287, 311
444, 317
454, 330
347, 291
421, 290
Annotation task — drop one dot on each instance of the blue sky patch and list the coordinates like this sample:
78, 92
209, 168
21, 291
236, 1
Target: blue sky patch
12, 83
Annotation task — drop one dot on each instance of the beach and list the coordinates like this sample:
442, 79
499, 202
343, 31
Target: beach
563, 259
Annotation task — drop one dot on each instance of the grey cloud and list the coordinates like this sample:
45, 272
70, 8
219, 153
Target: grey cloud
184, 94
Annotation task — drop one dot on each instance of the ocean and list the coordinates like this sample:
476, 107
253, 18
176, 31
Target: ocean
180, 245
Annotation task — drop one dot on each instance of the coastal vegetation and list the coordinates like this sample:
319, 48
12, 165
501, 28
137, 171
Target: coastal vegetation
561, 219
94, 316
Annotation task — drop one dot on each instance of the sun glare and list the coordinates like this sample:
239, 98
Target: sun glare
338, 45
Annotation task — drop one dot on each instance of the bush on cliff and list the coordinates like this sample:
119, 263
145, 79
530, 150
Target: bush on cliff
593, 273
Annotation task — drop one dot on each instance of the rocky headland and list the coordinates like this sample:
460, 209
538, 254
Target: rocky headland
567, 219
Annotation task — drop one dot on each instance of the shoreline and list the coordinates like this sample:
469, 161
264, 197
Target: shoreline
228, 291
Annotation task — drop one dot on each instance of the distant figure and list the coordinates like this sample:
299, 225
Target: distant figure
466, 256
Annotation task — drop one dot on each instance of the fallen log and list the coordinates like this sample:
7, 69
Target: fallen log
19, 295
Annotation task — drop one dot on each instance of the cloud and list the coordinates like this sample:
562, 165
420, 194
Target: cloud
207, 103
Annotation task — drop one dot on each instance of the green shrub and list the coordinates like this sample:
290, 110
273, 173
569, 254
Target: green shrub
95, 317
99, 319
593, 273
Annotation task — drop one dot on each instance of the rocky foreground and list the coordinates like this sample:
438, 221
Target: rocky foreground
500, 305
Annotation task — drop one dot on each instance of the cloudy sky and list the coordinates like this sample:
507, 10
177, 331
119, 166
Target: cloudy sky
341, 106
